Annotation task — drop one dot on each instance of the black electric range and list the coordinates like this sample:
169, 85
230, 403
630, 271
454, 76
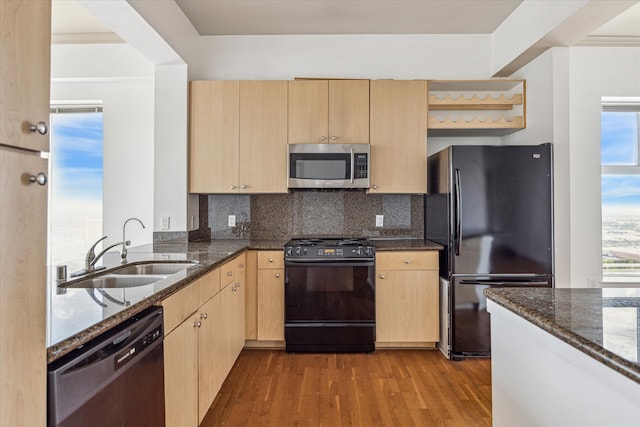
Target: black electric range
329, 295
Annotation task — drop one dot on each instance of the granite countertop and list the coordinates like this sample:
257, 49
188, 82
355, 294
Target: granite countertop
602, 323
75, 316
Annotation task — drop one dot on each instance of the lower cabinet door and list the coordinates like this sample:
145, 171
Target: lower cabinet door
271, 305
407, 306
181, 374
211, 349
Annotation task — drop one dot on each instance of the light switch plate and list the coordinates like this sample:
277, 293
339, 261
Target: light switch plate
232, 221
379, 220
166, 223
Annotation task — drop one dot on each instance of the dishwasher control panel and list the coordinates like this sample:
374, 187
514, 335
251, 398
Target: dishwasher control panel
135, 348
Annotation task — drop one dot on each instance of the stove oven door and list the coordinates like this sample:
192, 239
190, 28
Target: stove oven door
330, 306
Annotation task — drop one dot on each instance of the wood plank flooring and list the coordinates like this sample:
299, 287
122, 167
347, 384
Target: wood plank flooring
384, 388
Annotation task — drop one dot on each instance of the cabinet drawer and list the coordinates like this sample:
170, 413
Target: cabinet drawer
415, 260
270, 260
181, 305
231, 270
209, 285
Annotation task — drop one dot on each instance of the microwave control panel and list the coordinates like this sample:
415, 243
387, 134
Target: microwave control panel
361, 165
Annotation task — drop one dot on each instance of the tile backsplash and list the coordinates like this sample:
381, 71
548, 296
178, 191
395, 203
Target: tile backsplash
310, 213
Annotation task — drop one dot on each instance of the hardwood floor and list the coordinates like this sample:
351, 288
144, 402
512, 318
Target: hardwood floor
385, 388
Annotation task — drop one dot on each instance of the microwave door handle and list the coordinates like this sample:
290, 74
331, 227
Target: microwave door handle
352, 165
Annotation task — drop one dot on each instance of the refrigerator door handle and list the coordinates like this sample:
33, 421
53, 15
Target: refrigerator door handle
457, 237
506, 283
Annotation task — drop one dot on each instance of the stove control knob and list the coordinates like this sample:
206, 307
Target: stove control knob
289, 251
359, 251
369, 251
298, 250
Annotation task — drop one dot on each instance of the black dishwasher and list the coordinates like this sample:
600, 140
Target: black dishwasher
116, 379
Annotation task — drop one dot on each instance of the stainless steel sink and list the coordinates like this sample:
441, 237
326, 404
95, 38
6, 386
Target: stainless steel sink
113, 281
130, 276
153, 268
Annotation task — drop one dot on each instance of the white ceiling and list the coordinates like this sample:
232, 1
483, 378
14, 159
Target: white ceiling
272, 17
71, 21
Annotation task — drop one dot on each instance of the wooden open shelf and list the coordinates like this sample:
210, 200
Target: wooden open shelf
452, 104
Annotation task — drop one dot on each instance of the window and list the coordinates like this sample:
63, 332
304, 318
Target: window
620, 158
75, 193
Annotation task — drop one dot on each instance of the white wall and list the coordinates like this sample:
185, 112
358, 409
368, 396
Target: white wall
594, 73
124, 81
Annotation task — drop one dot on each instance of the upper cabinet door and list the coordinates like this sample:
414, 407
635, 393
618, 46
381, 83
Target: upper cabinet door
308, 112
214, 135
25, 73
398, 136
263, 136
349, 111
329, 111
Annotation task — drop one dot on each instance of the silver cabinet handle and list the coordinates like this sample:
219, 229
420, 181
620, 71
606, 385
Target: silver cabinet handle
40, 127
243, 186
381, 276
197, 324
323, 137
406, 261
233, 187
278, 275
270, 259
40, 178
334, 137
229, 273
203, 315
375, 187
241, 265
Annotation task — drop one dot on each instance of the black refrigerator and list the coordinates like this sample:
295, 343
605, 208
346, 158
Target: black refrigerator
492, 209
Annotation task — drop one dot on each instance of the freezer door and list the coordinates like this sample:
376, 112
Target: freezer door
501, 210
470, 320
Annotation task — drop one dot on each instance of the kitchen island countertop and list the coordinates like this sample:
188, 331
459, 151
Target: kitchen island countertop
602, 323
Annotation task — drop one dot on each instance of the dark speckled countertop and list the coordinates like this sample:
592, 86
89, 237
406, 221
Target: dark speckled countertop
602, 323
75, 316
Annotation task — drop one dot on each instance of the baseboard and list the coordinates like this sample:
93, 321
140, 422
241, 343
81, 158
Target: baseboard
265, 345
405, 345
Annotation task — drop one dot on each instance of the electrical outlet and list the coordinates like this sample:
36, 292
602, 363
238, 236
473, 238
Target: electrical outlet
166, 223
232, 221
379, 220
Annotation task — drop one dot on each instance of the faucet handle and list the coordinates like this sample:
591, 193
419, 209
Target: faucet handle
91, 252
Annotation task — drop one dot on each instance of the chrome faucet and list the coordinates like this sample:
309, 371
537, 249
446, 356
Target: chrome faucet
91, 258
125, 242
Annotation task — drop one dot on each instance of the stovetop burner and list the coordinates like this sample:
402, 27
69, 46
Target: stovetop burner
309, 242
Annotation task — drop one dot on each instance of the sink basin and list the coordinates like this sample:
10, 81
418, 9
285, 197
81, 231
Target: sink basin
112, 281
154, 268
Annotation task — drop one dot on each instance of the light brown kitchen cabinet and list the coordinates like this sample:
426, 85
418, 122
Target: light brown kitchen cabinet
270, 296
398, 136
181, 374
407, 299
24, 101
202, 341
263, 136
214, 136
329, 111
237, 137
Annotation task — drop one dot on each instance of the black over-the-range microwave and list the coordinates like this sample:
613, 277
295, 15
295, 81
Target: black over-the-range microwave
328, 165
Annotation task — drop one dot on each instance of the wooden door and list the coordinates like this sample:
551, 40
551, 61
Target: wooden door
271, 305
349, 111
263, 136
398, 136
407, 307
23, 232
25, 60
308, 112
214, 136
181, 374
